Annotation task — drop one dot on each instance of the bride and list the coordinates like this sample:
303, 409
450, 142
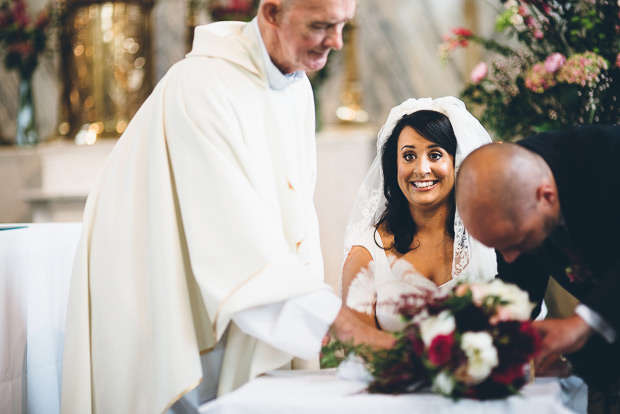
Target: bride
405, 209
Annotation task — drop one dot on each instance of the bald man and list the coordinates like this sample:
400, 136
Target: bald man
549, 206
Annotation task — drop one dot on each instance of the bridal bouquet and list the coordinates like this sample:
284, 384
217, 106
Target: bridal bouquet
563, 69
476, 341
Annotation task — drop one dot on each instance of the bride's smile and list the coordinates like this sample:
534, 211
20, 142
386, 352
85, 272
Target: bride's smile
424, 185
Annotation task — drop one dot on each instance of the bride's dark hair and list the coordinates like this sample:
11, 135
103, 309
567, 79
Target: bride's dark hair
435, 127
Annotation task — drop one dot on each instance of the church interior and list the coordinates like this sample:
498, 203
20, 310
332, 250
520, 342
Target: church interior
102, 59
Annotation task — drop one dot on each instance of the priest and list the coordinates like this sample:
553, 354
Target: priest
199, 266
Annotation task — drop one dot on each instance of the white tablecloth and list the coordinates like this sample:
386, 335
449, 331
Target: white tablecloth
308, 392
35, 270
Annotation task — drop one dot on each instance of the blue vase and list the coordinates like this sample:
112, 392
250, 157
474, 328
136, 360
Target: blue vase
27, 134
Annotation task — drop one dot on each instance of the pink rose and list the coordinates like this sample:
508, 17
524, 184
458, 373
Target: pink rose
461, 290
479, 72
554, 62
538, 34
501, 314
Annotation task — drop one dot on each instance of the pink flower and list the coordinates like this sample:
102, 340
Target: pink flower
19, 13
479, 72
582, 69
462, 32
554, 62
461, 290
452, 43
538, 80
538, 34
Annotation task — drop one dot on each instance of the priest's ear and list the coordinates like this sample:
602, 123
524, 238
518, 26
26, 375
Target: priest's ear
270, 11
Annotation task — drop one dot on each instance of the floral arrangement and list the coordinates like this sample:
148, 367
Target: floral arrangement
564, 71
21, 39
476, 341
241, 10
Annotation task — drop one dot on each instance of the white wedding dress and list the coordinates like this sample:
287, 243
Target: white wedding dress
381, 286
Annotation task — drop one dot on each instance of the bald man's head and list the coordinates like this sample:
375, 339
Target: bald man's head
507, 198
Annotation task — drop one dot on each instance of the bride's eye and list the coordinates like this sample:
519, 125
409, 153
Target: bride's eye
409, 156
435, 156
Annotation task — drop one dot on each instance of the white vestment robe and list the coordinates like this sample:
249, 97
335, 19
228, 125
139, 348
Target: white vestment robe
203, 210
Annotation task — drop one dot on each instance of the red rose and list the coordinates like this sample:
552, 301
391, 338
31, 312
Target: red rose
440, 350
418, 346
528, 330
508, 375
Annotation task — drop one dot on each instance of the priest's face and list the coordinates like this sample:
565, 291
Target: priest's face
308, 30
425, 170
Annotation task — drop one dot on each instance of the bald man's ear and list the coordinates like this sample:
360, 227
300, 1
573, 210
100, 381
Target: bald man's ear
547, 195
270, 11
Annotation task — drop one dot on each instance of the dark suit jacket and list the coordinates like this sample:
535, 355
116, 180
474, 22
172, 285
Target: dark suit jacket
584, 255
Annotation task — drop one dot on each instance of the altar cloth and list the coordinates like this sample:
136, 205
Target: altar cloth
310, 392
35, 272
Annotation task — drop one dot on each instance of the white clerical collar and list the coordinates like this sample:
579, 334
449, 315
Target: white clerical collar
277, 80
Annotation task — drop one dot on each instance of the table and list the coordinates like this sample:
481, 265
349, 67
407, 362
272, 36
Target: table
311, 392
35, 271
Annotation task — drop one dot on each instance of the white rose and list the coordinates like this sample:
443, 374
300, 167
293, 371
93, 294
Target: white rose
442, 324
516, 19
510, 4
481, 354
519, 306
479, 292
353, 368
443, 383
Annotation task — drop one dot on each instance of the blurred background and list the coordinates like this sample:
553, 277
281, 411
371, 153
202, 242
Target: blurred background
75, 71
101, 59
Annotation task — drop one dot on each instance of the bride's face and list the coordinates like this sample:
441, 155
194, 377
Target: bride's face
425, 170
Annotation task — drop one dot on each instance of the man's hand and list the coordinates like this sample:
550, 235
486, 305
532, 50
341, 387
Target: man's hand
561, 336
349, 329
554, 366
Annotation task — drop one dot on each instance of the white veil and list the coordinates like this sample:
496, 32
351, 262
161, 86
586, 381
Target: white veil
471, 261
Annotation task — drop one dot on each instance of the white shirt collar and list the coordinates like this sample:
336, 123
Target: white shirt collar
276, 79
